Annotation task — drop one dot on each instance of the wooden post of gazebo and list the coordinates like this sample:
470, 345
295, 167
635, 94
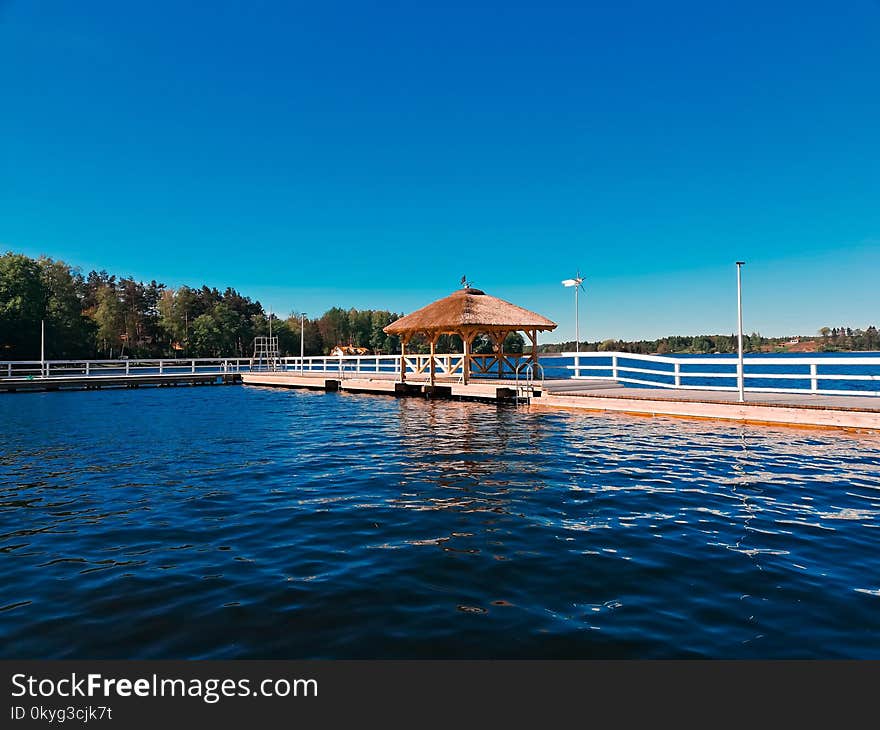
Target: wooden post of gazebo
403, 341
432, 365
533, 336
466, 358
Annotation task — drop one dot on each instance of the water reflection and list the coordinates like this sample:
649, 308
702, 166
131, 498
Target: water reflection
290, 524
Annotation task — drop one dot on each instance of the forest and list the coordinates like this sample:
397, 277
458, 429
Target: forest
99, 315
829, 339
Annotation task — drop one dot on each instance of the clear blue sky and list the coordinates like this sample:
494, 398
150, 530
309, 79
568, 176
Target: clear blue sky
368, 155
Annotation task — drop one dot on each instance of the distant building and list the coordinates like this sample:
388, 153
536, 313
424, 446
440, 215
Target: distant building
343, 350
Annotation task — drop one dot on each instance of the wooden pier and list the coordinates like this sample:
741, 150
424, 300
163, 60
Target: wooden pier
99, 382
596, 387
861, 413
480, 390
853, 412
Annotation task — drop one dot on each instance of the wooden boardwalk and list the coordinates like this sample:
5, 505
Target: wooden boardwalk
847, 412
793, 409
856, 412
387, 384
99, 382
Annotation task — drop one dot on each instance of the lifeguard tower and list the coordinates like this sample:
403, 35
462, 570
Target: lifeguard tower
266, 354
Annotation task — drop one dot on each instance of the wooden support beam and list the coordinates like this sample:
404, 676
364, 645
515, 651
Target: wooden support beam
534, 339
502, 335
403, 359
466, 360
533, 356
433, 368
467, 338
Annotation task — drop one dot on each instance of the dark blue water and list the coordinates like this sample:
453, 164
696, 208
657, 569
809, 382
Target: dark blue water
235, 522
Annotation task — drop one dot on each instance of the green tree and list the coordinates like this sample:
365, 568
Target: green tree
334, 328
206, 337
109, 318
514, 343
69, 333
22, 306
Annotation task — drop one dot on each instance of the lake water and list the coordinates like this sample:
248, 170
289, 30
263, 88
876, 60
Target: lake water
240, 522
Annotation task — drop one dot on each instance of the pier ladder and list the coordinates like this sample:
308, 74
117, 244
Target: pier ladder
525, 388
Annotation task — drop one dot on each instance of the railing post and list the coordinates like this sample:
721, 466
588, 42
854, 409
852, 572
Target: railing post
193, 366
48, 365
9, 370
161, 366
614, 367
814, 377
87, 367
127, 363
678, 375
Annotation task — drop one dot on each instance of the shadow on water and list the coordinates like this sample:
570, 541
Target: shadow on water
249, 522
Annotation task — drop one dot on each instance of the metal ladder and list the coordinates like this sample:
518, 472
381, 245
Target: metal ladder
525, 390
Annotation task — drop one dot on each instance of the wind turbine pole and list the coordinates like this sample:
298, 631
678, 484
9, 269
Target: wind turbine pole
577, 282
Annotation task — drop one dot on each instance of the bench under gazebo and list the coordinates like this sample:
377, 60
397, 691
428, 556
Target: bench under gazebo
468, 313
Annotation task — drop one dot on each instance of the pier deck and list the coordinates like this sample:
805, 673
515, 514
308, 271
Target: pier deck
849, 412
795, 409
97, 382
386, 383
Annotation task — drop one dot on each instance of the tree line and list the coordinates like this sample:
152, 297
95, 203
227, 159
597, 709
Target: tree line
837, 339
698, 344
846, 339
99, 315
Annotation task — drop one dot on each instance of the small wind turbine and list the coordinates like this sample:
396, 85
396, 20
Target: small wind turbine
578, 284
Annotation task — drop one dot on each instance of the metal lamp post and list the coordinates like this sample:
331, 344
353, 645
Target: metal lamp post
302, 340
739, 305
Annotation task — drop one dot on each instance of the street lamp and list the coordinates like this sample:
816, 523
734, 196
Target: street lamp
302, 340
739, 305
577, 283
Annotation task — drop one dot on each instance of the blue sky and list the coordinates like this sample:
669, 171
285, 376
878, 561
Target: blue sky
368, 155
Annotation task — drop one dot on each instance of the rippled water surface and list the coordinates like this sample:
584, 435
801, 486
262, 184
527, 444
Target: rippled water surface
236, 522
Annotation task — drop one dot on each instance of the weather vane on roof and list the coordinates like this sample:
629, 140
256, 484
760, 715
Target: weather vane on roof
465, 284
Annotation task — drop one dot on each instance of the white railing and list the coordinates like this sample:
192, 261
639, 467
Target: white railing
821, 375
445, 366
80, 368
716, 372
418, 366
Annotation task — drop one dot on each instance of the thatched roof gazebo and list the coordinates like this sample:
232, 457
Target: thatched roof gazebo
467, 313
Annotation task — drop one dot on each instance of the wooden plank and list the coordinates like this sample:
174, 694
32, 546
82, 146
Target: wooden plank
726, 411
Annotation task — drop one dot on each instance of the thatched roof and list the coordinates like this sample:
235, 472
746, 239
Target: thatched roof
469, 309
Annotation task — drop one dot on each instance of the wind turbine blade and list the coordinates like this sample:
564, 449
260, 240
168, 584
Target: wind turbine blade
570, 282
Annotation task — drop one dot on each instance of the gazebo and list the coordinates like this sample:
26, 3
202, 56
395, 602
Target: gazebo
467, 313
